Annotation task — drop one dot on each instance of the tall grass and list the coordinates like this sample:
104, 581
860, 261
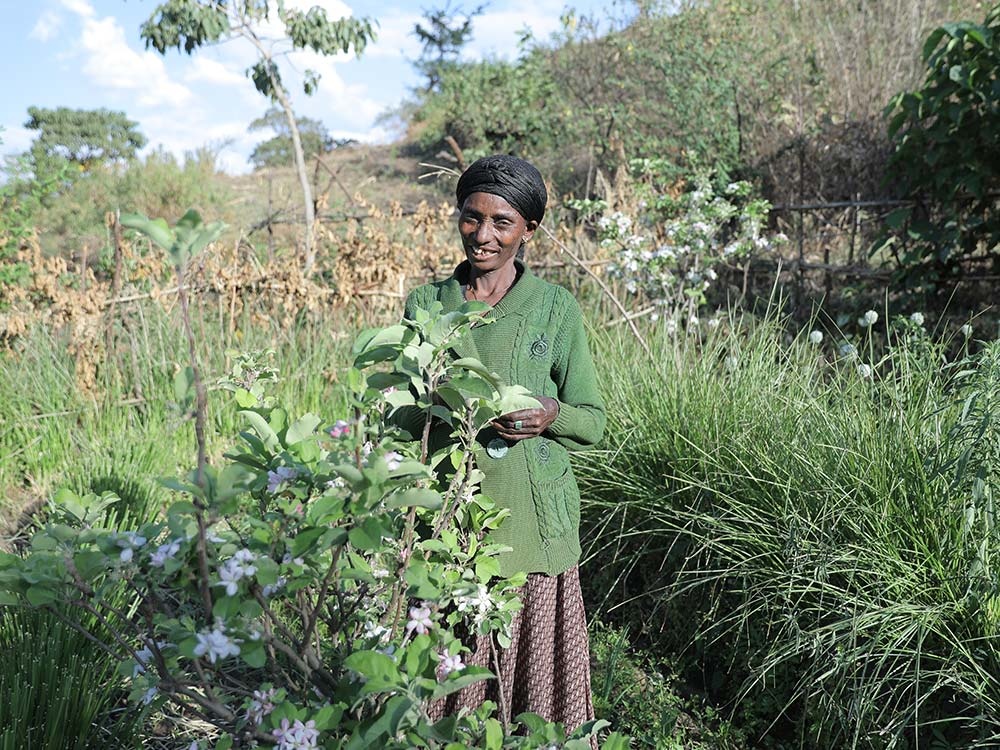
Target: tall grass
53, 433
60, 691
818, 547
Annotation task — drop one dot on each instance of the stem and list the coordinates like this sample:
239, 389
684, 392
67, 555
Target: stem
201, 409
604, 288
504, 708
314, 614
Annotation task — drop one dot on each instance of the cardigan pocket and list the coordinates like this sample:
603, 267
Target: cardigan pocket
553, 498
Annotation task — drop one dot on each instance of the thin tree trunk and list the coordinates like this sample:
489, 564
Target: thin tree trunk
281, 95
300, 166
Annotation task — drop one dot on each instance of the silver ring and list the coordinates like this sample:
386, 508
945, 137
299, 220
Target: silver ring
518, 424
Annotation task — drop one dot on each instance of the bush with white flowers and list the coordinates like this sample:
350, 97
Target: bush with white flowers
307, 594
670, 249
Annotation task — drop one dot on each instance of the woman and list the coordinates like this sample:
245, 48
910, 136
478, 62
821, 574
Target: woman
536, 339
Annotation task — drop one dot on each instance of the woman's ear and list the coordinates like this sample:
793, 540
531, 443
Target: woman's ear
529, 231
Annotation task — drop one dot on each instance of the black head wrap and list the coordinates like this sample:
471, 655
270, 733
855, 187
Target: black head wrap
513, 179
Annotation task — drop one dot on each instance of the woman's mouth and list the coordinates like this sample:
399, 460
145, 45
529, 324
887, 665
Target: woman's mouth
481, 252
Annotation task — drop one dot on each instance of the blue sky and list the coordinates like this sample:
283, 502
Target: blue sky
88, 54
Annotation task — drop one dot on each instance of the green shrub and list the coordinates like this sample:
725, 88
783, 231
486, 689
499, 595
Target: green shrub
642, 698
945, 135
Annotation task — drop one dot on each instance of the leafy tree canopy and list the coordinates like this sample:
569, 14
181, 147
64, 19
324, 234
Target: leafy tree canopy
83, 136
279, 150
190, 24
446, 32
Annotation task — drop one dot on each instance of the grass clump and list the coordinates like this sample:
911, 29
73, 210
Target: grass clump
813, 540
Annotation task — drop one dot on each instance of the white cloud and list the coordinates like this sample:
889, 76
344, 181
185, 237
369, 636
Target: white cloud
180, 136
395, 38
46, 27
16, 139
81, 8
497, 32
112, 64
334, 8
211, 71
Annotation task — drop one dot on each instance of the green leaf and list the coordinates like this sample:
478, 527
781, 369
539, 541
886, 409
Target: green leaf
932, 42
375, 667
39, 596
367, 536
415, 496
302, 428
474, 365
252, 652
263, 429
305, 540
516, 398
386, 723
458, 680
156, 229
494, 734
328, 717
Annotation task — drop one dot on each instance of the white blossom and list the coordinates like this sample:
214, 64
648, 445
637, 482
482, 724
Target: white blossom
917, 318
261, 705
236, 568
447, 665
280, 476
869, 319
340, 429
966, 330
375, 631
864, 370
713, 323
130, 541
144, 656
479, 602
296, 736
215, 644
815, 338
420, 620
164, 552
273, 588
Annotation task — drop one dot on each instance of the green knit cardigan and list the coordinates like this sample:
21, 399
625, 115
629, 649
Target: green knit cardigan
535, 338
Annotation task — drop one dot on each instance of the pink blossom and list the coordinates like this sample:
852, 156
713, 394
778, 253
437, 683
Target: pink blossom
340, 429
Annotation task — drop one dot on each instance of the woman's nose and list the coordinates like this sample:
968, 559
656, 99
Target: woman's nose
482, 233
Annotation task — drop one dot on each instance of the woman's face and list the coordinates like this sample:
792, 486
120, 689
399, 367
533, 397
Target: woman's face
492, 231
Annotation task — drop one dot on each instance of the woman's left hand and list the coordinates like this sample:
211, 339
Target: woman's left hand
527, 423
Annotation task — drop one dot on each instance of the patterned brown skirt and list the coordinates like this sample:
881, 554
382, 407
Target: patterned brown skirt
546, 670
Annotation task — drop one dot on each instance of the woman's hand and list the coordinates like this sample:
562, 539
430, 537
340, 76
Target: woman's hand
527, 423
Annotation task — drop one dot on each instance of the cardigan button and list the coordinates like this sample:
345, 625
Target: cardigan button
497, 448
